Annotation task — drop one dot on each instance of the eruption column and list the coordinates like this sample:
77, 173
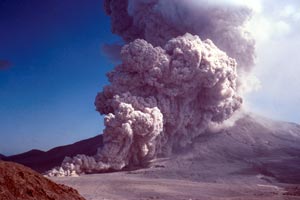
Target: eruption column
160, 99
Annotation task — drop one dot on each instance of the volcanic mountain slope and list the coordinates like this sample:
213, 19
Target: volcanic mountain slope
253, 146
42, 161
256, 158
2, 156
19, 182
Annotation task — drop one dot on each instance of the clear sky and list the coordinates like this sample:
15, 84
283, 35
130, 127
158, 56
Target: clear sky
57, 67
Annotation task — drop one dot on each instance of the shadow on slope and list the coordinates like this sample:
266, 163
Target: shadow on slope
42, 161
2, 156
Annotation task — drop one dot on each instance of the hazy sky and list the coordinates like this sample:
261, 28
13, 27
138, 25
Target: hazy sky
276, 29
54, 67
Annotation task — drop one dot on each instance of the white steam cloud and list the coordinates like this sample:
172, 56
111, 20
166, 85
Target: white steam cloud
171, 85
275, 28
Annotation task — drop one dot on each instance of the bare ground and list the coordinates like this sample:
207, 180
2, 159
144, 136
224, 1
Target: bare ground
256, 158
124, 186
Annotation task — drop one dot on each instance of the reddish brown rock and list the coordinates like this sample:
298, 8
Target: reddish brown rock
18, 182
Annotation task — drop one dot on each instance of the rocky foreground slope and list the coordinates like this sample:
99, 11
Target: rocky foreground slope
18, 182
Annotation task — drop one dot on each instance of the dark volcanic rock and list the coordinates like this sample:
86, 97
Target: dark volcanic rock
43, 161
18, 182
2, 156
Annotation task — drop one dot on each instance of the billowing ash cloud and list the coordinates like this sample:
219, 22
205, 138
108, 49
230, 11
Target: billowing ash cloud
157, 21
171, 85
160, 99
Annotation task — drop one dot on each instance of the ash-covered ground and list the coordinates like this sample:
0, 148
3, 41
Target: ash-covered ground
256, 158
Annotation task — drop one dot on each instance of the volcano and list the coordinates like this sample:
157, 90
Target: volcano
256, 158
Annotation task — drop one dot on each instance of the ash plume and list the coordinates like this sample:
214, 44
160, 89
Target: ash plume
171, 85
157, 21
159, 99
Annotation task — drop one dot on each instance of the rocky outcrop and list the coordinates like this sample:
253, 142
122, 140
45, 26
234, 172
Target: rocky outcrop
19, 182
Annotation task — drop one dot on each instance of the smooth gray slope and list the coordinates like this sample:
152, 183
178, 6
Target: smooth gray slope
255, 159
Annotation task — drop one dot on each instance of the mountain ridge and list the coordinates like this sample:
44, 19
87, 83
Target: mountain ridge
253, 145
2, 156
42, 161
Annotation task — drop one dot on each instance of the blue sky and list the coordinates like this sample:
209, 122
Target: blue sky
47, 95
